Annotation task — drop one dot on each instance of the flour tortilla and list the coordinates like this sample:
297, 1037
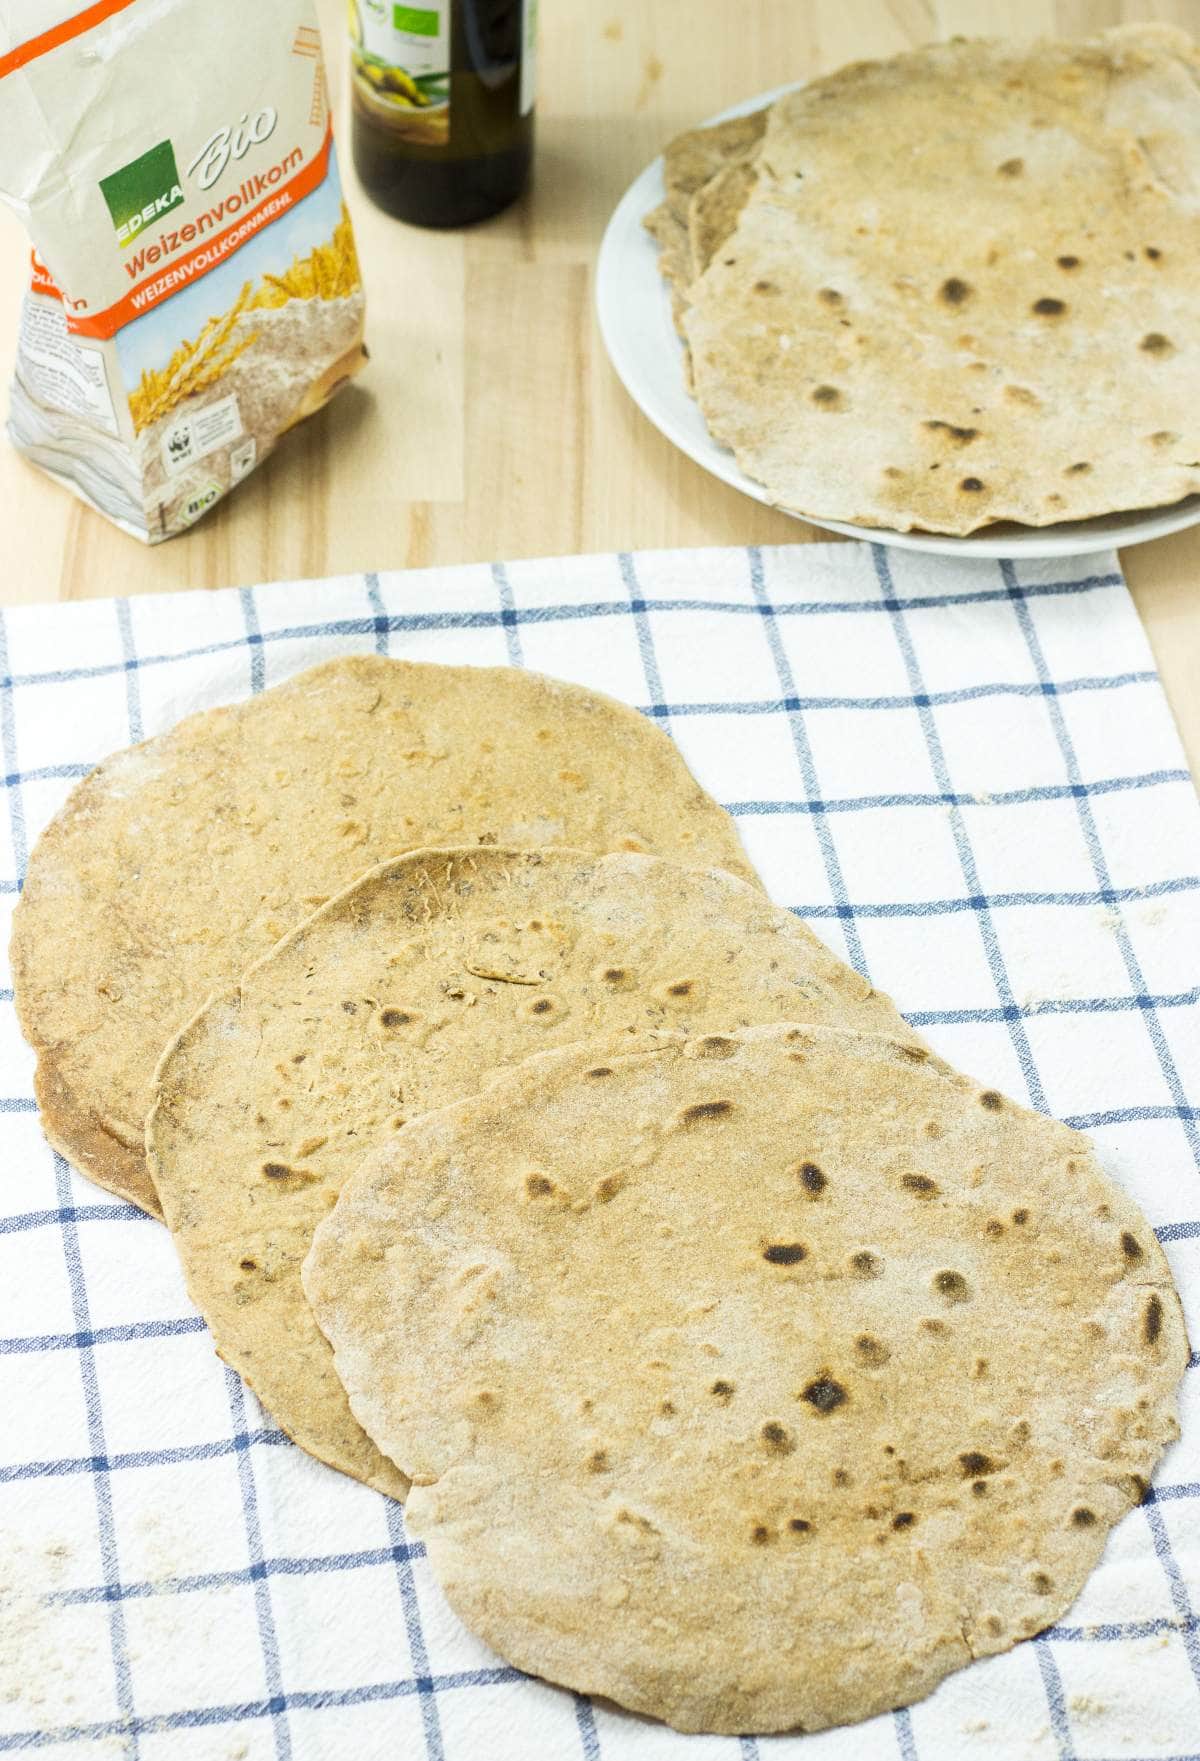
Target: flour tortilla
176, 863
963, 287
693, 157
407, 991
674, 256
689, 162
658, 1455
675, 266
715, 209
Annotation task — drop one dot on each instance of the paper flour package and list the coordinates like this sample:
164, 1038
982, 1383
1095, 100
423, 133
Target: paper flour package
195, 288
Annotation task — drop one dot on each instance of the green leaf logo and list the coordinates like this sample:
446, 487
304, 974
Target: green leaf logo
419, 21
142, 191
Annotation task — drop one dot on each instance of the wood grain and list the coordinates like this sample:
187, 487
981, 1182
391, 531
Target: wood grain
490, 423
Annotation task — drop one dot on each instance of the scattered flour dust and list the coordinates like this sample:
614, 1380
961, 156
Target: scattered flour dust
1057, 987
51, 1654
1087, 1706
1151, 915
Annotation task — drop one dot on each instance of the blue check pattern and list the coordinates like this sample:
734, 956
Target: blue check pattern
964, 775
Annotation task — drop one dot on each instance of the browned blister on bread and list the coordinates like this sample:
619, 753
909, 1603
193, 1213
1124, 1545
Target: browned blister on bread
413, 987
754, 1380
959, 286
178, 862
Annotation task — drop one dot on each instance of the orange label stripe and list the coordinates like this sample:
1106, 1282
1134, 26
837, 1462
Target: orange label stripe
152, 290
59, 34
41, 281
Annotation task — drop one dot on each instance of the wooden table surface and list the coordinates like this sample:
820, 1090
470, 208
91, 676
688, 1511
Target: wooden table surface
489, 423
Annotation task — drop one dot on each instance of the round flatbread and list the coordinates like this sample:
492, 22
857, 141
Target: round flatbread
714, 210
755, 1381
406, 992
962, 289
176, 863
693, 158
690, 162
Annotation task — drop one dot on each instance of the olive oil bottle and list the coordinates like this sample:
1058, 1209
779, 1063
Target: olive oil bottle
443, 97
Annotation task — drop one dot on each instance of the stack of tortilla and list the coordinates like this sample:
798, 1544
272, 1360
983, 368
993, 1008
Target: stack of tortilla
955, 287
739, 1359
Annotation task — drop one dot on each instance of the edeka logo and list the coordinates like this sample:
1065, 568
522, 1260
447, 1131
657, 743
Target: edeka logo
142, 192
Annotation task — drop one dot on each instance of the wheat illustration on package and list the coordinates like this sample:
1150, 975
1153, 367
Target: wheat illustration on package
195, 288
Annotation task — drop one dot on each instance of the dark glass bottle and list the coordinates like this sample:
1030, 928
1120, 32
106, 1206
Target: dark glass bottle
443, 105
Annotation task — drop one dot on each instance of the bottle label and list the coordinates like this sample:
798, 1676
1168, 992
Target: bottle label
529, 22
401, 65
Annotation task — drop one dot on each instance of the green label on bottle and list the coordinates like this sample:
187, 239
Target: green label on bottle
529, 27
401, 57
421, 21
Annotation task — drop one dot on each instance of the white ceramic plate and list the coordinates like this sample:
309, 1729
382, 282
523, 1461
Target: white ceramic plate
634, 310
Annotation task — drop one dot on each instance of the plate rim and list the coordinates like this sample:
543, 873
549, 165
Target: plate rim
1102, 532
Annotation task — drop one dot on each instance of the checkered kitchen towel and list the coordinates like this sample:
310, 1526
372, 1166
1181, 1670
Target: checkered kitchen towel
965, 776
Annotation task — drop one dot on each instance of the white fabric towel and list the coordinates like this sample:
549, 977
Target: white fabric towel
963, 775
